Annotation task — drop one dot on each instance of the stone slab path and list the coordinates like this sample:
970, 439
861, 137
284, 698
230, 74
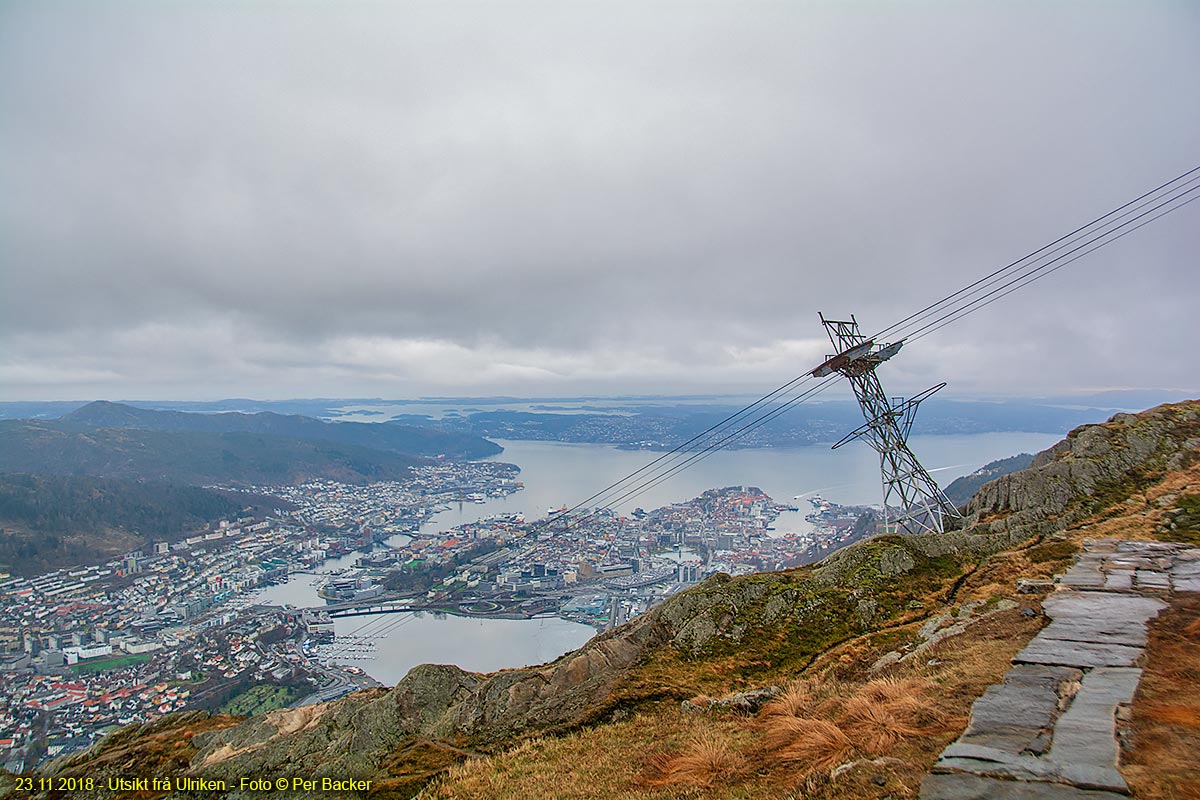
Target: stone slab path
1049, 732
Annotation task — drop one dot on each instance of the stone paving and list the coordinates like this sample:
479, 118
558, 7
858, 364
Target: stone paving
1049, 732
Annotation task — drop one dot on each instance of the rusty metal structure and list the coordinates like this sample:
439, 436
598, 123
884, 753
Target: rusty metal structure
912, 500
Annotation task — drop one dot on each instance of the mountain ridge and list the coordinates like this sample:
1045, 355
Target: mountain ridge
961, 490
191, 457
114, 440
408, 440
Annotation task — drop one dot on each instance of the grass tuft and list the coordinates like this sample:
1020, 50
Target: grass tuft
811, 698
877, 727
815, 745
708, 759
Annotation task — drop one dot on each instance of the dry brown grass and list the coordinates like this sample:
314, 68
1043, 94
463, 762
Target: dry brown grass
809, 728
889, 689
796, 701
708, 759
1163, 759
811, 698
813, 745
1173, 714
877, 727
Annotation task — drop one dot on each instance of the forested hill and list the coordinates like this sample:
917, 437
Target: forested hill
191, 457
49, 521
405, 439
88, 504
107, 477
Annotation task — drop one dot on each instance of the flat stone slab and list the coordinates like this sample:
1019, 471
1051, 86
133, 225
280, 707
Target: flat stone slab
961, 786
1091, 579
1086, 604
1011, 719
1102, 617
1132, 562
1084, 573
977, 760
1014, 716
960, 757
1050, 730
1085, 655
1118, 581
1085, 735
1149, 547
1152, 579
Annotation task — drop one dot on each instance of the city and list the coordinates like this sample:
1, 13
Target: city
92, 648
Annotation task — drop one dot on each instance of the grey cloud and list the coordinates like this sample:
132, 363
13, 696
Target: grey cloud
337, 198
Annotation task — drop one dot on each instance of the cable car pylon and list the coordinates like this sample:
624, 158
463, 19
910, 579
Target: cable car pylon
909, 492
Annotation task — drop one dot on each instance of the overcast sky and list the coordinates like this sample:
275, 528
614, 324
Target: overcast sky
204, 200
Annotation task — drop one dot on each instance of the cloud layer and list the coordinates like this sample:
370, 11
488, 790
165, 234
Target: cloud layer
333, 198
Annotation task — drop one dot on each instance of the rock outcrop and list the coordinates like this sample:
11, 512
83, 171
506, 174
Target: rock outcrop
1095, 466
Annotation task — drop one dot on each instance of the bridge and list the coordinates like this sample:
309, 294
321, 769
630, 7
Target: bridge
391, 604
382, 604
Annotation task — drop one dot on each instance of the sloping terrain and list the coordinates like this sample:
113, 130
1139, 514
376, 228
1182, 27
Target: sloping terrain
54, 520
394, 438
120, 441
846, 679
961, 490
189, 456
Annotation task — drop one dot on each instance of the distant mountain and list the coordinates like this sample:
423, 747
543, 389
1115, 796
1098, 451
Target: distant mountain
663, 427
962, 490
35, 409
193, 457
393, 438
51, 521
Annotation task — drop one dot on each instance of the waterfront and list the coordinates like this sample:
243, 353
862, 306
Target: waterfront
555, 474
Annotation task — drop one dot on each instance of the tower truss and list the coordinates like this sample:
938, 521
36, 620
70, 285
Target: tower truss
910, 494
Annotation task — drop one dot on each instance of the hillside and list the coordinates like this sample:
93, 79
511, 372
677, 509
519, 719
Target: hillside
841, 680
961, 490
51, 447
403, 439
51, 521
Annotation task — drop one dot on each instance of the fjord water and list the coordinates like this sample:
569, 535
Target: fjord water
557, 473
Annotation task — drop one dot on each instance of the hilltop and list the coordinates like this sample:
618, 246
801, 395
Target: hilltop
189, 457
844, 679
404, 439
119, 441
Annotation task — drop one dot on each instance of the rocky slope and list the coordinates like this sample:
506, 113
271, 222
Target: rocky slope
726, 635
961, 490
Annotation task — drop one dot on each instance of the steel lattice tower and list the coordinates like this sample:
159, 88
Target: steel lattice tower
907, 486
